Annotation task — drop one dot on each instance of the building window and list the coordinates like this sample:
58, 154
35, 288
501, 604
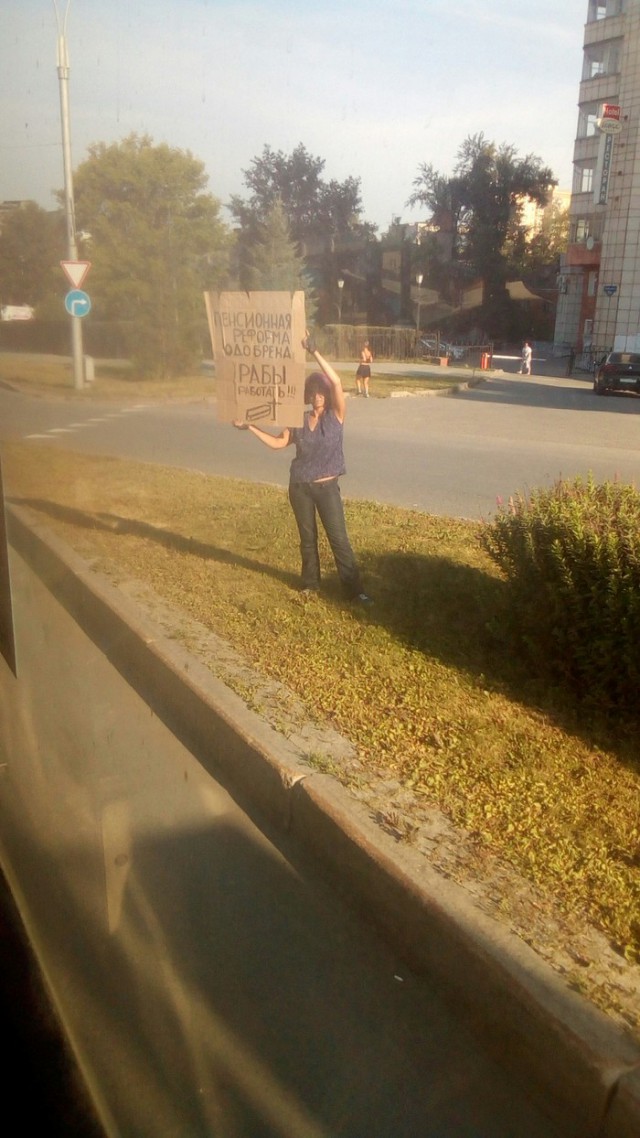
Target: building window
613, 59
601, 59
581, 231
599, 9
587, 121
592, 284
594, 63
583, 177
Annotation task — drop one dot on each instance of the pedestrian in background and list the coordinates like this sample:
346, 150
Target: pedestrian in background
363, 374
525, 366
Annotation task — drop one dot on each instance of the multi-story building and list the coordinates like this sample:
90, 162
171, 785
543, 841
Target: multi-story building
599, 284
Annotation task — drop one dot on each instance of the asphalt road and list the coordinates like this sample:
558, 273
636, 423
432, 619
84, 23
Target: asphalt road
455, 455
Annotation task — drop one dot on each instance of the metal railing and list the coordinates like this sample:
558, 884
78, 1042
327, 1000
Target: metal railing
344, 341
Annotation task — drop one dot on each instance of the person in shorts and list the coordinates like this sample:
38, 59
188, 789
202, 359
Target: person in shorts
363, 374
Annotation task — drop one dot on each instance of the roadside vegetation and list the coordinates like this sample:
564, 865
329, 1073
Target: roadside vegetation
156, 241
571, 556
117, 380
53, 375
427, 684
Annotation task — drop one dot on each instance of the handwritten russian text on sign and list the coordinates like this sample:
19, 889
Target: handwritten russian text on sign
260, 362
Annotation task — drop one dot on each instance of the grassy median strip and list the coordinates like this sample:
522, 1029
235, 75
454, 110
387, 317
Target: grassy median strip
422, 683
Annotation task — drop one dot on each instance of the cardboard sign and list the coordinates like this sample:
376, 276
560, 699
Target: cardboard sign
260, 362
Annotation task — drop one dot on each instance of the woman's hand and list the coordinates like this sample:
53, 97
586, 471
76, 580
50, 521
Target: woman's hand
309, 343
240, 425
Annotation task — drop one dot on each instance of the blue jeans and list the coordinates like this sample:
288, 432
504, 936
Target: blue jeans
324, 497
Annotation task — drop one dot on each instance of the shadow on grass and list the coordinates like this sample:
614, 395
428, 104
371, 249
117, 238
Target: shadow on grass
462, 617
115, 524
453, 613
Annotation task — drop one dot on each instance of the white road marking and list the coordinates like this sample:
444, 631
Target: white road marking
88, 422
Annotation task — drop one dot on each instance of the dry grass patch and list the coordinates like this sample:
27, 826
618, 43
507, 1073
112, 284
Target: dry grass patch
53, 375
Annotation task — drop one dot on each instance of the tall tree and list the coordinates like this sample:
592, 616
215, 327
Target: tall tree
444, 263
157, 243
32, 244
319, 213
537, 254
494, 181
294, 180
275, 262
482, 199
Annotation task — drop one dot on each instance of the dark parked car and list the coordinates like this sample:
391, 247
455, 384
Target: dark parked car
619, 371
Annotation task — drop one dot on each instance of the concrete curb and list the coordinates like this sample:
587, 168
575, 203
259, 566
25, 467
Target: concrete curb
582, 1066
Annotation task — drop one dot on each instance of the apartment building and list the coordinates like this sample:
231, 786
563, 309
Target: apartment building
599, 284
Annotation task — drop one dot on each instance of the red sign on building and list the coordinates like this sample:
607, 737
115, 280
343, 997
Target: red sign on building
609, 121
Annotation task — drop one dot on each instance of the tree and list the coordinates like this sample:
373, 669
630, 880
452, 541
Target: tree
540, 253
313, 208
320, 214
483, 201
275, 262
32, 244
157, 244
293, 180
493, 183
443, 262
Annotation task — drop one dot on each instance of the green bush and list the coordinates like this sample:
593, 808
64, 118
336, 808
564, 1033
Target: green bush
571, 557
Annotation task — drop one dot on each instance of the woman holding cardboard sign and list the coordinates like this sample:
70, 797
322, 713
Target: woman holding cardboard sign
314, 490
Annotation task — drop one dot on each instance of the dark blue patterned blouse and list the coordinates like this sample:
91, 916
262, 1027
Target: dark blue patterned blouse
319, 453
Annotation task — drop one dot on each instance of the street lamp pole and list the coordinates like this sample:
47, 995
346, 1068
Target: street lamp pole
69, 208
419, 279
340, 288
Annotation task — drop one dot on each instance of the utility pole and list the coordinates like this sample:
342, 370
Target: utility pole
69, 207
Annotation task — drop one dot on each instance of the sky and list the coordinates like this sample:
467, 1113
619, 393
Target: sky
375, 89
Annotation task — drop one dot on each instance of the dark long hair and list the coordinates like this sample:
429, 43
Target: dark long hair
318, 381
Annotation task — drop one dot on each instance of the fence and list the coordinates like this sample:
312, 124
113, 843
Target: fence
344, 342
116, 339
590, 359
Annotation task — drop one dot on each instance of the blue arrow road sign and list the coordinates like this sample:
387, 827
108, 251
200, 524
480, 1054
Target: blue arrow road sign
77, 302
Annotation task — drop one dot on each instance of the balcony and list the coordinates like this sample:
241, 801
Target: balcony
577, 254
600, 89
586, 148
598, 31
